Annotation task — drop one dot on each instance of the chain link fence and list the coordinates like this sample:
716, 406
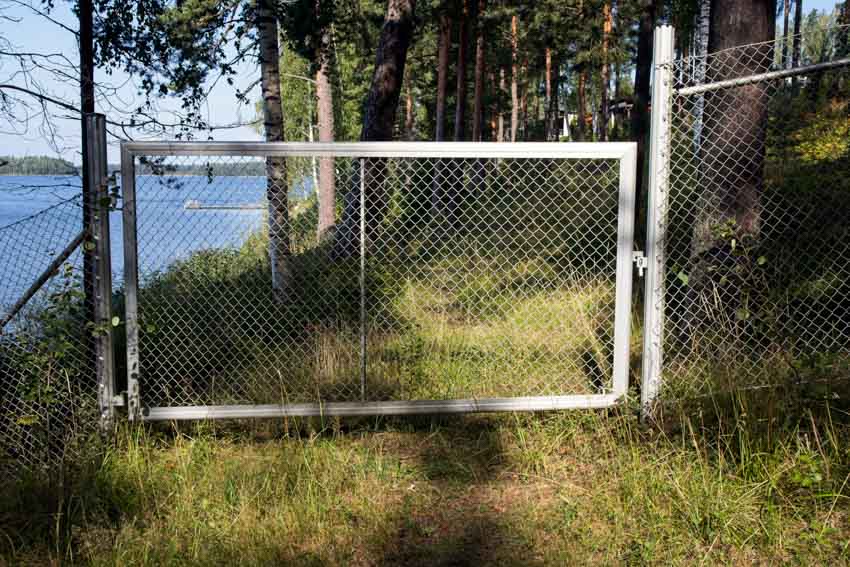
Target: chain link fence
47, 385
437, 279
757, 272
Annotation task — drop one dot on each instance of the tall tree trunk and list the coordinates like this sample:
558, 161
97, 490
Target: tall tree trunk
276, 187
460, 97
523, 101
605, 72
87, 106
640, 111
325, 113
500, 136
478, 104
444, 40
378, 120
786, 13
547, 119
408, 113
552, 99
581, 100
734, 150
703, 21
514, 78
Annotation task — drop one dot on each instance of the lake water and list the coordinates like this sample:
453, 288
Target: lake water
167, 230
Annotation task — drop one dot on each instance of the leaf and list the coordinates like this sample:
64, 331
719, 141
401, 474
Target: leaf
89, 245
116, 321
742, 314
683, 277
27, 420
762, 260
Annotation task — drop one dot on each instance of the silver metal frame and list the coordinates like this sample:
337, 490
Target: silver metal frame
625, 152
99, 234
659, 181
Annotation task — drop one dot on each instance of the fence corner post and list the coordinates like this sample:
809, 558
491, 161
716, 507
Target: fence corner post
659, 180
99, 205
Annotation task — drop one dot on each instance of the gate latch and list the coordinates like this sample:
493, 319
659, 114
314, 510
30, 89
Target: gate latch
641, 261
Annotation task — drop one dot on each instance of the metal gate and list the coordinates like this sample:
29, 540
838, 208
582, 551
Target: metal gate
273, 279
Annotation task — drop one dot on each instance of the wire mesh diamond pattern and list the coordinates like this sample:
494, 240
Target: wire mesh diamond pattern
440, 279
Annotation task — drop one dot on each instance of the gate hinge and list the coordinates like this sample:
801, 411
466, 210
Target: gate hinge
641, 261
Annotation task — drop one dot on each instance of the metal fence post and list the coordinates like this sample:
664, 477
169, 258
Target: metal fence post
99, 206
659, 181
131, 280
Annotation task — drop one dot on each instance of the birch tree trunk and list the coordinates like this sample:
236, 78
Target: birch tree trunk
500, 136
276, 187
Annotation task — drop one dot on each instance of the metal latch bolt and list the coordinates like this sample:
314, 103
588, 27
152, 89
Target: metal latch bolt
641, 261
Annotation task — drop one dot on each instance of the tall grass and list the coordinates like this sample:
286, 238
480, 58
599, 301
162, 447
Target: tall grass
741, 479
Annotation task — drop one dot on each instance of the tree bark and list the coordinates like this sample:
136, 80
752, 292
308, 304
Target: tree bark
640, 110
547, 121
500, 136
736, 123
87, 106
408, 113
276, 187
786, 12
378, 121
325, 113
478, 96
514, 78
605, 72
581, 100
445, 39
460, 96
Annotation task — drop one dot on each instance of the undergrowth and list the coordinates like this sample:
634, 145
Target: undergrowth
746, 478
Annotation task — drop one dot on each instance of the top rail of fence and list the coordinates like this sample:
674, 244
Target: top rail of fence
519, 150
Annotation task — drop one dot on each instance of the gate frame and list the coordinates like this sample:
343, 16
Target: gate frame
624, 152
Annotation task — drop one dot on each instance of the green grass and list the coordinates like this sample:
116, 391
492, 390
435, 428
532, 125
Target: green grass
746, 479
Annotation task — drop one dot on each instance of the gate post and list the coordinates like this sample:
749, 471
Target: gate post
99, 203
659, 184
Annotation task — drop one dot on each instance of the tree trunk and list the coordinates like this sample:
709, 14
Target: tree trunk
408, 113
86, 39
276, 188
500, 136
523, 102
786, 12
605, 72
445, 40
700, 53
378, 120
460, 95
325, 113
640, 110
514, 79
478, 104
547, 119
581, 100
734, 149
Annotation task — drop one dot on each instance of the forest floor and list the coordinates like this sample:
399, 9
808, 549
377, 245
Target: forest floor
732, 484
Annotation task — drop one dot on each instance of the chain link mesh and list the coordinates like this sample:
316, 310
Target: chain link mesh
47, 384
478, 278
758, 237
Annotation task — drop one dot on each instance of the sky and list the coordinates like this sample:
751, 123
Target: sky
32, 33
